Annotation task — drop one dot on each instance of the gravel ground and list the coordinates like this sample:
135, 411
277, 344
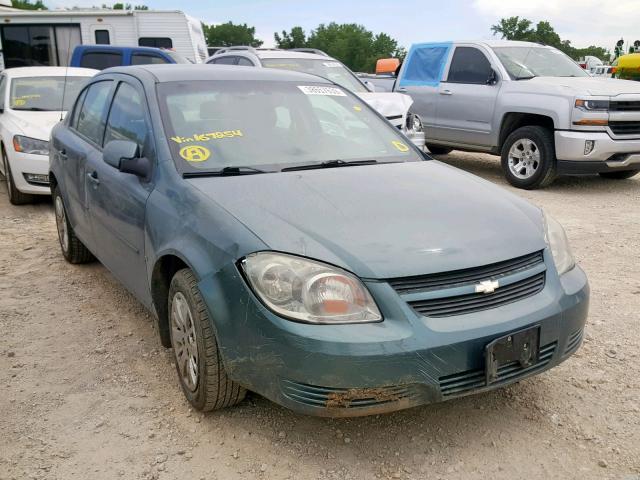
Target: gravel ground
86, 391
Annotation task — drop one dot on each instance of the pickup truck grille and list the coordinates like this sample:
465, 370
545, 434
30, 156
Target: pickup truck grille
624, 106
453, 293
625, 128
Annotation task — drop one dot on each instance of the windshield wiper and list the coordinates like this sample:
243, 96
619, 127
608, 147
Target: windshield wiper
330, 164
226, 172
34, 109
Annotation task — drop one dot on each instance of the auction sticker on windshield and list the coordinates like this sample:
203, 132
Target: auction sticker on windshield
317, 90
195, 153
205, 137
400, 146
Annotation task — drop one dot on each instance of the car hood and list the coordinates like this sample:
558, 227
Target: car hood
393, 106
35, 124
589, 85
382, 221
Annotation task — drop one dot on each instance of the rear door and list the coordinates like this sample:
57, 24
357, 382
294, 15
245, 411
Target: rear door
100, 59
117, 200
420, 78
74, 146
139, 57
467, 98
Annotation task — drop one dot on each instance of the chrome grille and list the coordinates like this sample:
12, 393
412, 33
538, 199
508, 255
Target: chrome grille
624, 106
468, 276
625, 128
463, 382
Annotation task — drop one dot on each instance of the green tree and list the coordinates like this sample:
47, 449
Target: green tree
27, 5
229, 34
297, 38
513, 28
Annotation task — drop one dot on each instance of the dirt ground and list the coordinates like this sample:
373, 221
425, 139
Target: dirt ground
87, 392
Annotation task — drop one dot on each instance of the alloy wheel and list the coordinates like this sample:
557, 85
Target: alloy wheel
61, 224
185, 345
524, 158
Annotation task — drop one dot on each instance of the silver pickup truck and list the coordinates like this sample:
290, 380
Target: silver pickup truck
529, 103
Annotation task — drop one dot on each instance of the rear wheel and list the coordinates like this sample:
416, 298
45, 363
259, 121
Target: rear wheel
203, 378
619, 175
73, 249
16, 197
438, 150
529, 158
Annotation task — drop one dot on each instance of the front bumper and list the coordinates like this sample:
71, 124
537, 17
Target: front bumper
607, 155
24, 166
404, 361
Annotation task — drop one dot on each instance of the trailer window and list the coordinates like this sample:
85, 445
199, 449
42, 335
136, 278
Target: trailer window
157, 42
102, 37
101, 60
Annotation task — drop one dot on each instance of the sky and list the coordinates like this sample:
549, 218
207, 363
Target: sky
584, 22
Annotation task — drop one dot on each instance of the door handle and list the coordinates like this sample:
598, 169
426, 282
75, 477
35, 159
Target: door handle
446, 92
93, 178
402, 90
63, 154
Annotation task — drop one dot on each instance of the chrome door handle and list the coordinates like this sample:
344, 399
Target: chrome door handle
446, 92
402, 90
93, 178
63, 154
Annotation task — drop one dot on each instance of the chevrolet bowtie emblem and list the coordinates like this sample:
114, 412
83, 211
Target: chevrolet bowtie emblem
488, 286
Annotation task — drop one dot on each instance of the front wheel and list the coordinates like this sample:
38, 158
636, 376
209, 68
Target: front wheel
619, 175
16, 197
203, 378
438, 150
529, 157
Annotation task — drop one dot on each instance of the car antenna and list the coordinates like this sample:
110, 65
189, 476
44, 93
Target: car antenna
66, 71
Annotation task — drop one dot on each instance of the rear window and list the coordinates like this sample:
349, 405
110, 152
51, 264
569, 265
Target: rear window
146, 59
101, 60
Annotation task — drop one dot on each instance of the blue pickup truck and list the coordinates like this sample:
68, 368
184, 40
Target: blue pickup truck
100, 57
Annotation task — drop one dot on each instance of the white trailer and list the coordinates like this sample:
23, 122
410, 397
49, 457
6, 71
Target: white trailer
48, 37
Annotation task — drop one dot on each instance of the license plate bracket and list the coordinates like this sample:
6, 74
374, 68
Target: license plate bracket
522, 347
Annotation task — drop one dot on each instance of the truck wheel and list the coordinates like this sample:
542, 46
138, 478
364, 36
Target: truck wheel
529, 158
438, 150
16, 197
620, 175
202, 375
73, 249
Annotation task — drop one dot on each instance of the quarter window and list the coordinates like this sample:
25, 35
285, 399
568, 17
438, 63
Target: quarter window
146, 59
127, 118
101, 60
225, 61
244, 62
73, 122
469, 65
91, 119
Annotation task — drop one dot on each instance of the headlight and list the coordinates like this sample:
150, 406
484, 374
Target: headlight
30, 145
413, 123
593, 105
309, 291
559, 245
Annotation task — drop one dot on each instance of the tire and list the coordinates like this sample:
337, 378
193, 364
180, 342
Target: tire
438, 150
619, 175
16, 197
202, 375
72, 248
529, 158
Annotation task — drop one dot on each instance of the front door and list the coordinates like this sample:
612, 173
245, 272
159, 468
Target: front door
117, 200
467, 98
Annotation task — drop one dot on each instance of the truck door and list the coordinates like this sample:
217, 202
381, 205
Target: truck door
467, 98
420, 78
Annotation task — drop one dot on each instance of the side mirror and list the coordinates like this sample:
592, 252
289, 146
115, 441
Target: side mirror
493, 78
125, 156
370, 86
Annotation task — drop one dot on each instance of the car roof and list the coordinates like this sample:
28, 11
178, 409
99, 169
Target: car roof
287, 54
19, 72
184, 72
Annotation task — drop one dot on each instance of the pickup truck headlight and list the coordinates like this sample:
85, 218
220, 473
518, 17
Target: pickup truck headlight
309, 291
593, 105
559, 244
413, 123
30, 145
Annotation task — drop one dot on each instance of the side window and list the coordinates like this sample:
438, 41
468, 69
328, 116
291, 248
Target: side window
157, 42
225, 60
3, 90
469, 65
245, 62
101, 60
146, 59
91, 118
127, 118
73, 121
424, 65
102, 37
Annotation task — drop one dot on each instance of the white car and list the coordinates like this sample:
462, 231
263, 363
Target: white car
32, 101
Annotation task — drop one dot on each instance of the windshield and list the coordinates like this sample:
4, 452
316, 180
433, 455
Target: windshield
528, 62
44, 93
329, 69
273, 125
